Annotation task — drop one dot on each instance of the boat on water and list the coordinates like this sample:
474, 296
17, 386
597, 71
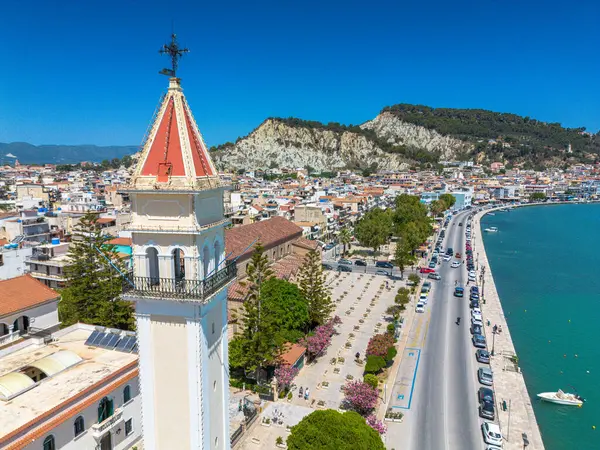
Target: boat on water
562, 398
491, 214
491, 229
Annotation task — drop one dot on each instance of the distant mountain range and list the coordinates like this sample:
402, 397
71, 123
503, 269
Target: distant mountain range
60, 154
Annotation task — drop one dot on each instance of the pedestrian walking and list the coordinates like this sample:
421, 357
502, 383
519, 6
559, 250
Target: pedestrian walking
300, 392
306, 393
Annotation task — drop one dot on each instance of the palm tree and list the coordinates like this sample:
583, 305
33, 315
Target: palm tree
345, 237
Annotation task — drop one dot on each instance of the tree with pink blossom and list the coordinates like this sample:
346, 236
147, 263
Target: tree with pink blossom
360, 397
317, 343
285, 375
376, 424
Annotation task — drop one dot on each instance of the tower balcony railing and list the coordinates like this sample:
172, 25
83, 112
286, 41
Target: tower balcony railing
180, 289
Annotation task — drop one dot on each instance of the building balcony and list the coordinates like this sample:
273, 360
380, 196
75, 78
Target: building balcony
179, 289
112, 422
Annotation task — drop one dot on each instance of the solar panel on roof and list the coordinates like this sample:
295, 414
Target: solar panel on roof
121, 344
114, 338
130, 344
91, 337
104, 342
101, 335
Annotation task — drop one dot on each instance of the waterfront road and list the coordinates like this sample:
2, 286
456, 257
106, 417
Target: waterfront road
443, 411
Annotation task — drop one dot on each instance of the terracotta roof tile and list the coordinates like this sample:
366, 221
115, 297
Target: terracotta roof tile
120, 241
292, 354
20, 293
306, 243
239, 241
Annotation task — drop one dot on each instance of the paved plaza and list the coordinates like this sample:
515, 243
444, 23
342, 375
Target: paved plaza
360, 301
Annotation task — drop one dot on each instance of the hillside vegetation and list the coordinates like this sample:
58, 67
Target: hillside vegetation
527, 139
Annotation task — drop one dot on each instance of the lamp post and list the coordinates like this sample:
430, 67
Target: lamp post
494, 339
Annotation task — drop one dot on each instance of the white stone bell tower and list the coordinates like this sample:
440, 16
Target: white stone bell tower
179, 284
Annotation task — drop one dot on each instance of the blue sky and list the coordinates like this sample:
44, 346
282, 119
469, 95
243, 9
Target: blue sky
76, 72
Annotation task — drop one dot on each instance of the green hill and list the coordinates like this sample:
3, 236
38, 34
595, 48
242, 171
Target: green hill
516, 138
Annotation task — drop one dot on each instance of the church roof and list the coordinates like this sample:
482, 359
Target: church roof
174, 155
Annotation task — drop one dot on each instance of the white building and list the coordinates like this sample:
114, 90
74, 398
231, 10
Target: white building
63, 392
180, 284
26, 307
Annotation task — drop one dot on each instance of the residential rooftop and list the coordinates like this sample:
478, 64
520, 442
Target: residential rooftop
97, 366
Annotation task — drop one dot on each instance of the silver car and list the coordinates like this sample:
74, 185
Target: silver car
485, 376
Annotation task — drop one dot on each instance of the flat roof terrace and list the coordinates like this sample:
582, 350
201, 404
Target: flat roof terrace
96, 367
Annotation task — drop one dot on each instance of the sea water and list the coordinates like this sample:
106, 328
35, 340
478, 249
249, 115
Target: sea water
545, 263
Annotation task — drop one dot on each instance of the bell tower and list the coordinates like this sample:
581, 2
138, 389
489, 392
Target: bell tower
180, 281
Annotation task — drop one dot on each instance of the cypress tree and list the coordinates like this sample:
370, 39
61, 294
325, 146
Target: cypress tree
314, 290
94, 286
258, 335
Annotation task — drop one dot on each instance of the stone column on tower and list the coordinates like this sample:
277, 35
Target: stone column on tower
179, 284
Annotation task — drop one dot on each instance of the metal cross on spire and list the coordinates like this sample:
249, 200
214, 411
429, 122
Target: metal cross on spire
175, 52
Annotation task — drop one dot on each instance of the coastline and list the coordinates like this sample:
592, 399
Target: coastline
509, 382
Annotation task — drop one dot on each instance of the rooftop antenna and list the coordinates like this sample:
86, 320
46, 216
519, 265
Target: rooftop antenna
175, 52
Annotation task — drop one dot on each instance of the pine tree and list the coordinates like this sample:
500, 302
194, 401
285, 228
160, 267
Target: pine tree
94, 285
259, 334
314, 290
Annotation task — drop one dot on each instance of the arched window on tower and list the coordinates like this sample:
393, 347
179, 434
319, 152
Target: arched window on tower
178, 264
218, 256
153, 271
205, 261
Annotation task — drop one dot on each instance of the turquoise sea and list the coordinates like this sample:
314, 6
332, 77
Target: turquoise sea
545, 264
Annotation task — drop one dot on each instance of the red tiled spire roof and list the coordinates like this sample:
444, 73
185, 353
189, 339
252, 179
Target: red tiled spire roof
174, 153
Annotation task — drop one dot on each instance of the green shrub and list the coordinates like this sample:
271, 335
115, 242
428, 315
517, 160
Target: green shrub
371, 380
374, 364
391, 354
391, 329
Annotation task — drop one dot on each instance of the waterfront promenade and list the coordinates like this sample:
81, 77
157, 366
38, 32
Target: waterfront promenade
518, 418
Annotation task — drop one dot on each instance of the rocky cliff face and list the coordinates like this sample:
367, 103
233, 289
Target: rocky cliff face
276, 143
391, 129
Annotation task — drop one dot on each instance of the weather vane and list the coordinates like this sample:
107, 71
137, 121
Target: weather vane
175, 52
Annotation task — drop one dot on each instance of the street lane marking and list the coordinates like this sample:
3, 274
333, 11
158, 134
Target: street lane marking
401, 397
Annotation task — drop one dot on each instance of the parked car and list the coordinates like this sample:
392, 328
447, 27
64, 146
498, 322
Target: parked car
434, 276
347, 262
382, 272
475, 321
423, 298
329, 246
485, 394
474, 289
491, 433
426, 270
384, 264
485, 376
426, 286
455, 264
432, 264
420, 308
486, 410
476, 329
474, 304
344, 268
478, 341
360, 262
327, 266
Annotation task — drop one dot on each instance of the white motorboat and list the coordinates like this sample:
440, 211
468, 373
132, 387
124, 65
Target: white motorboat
562, 398
491, 229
